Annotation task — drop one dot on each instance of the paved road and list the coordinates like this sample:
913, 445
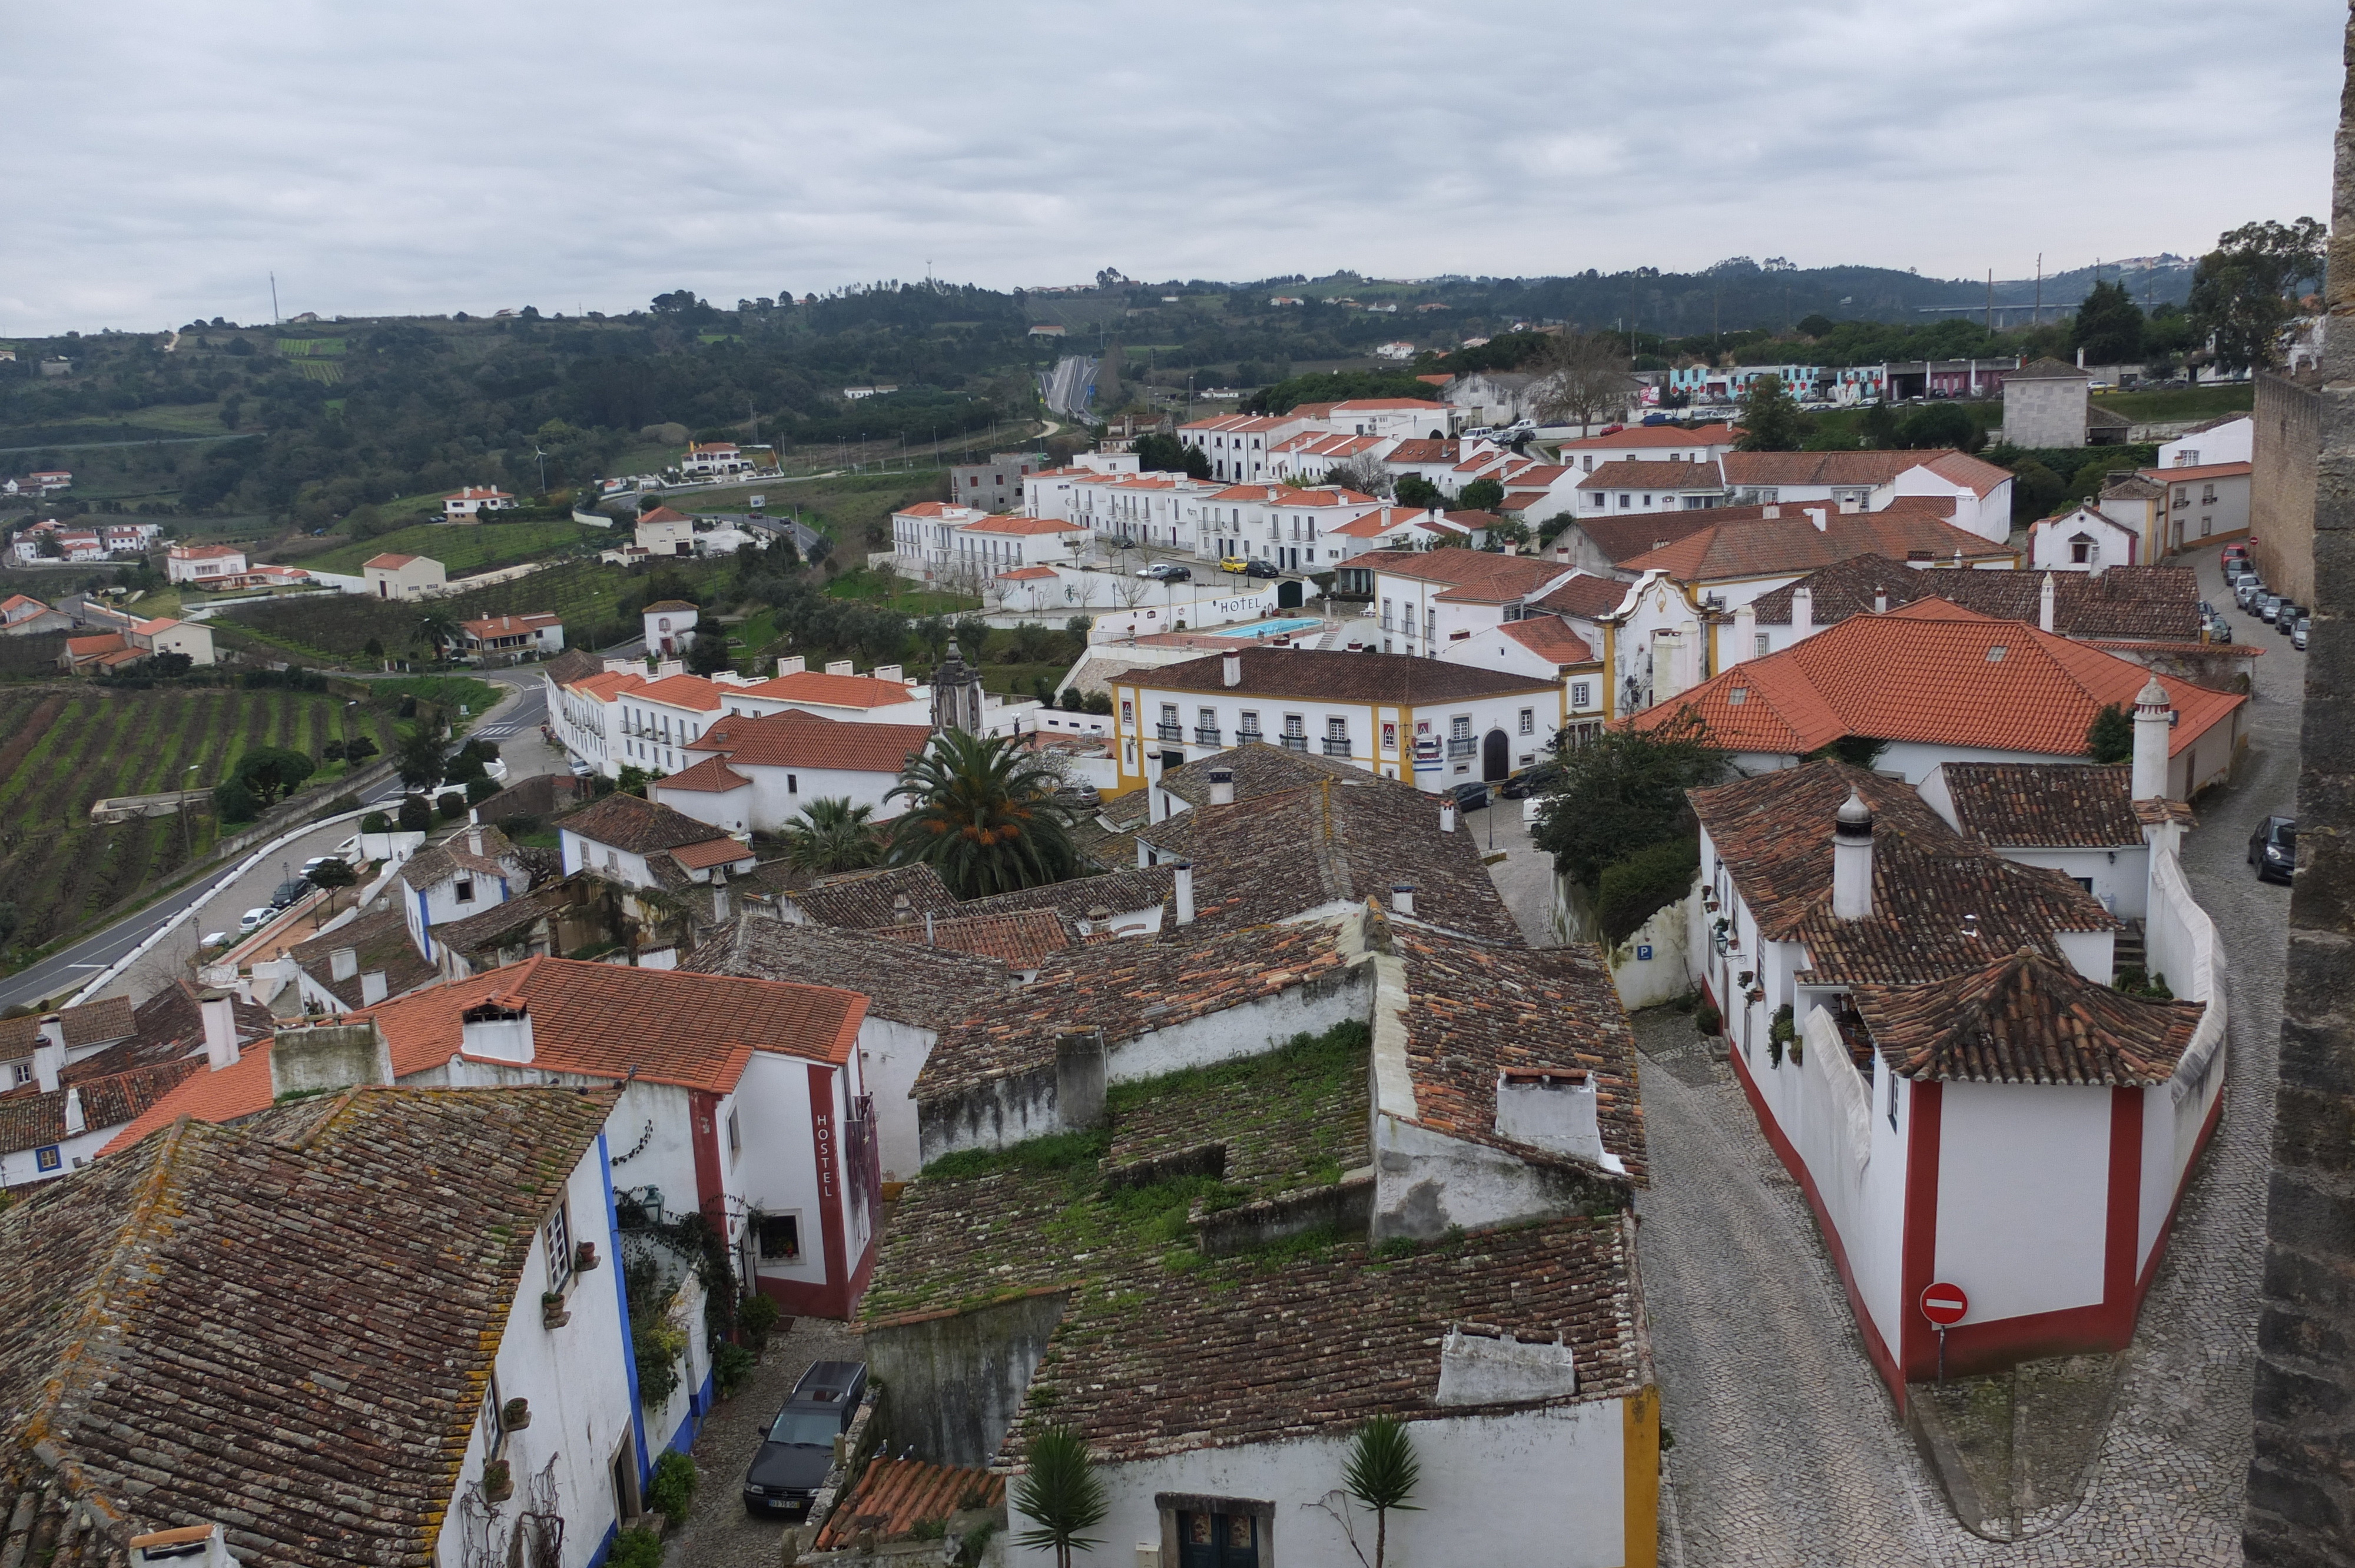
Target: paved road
514, 724
1787, 1449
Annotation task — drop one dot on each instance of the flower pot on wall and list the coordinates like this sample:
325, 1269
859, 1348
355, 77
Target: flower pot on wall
499, 1481
515, 1414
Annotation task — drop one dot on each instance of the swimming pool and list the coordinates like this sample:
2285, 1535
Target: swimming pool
1281, 628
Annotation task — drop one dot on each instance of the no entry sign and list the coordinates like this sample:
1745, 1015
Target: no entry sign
1944, 1304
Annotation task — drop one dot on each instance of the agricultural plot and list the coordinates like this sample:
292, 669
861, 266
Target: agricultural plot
61, 749
320, 370
309, 348
461, 547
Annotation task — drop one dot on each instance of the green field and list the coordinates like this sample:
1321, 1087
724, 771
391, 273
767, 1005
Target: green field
62, 747
305, 347
2180, 402
869, 587
461, 547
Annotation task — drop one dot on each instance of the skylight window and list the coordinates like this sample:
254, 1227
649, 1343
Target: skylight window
1995, 655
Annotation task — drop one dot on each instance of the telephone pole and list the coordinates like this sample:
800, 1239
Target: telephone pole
274, 298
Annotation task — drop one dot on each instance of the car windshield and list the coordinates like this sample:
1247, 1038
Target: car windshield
804, 1428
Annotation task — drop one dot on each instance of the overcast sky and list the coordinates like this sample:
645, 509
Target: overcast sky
161, 159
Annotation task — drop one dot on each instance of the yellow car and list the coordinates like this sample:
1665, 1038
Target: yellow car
1234, 564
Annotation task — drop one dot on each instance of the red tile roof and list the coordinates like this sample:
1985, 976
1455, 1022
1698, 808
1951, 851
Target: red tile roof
709, 852
2025, 1020
1961, 468
2197, 470
204, 552
798, 739
1024, 526
1935, 673
1716, 435
894, 1496
1659, 475
832, 691
1021, 939
389, 561
664, 514
1585, 595
1029, 574
684, 692
1790, 545
1549, 637
712, 775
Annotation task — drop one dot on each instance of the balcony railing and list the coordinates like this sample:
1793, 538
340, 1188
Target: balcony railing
1336, 748
1172, 731
1462, 746
1248, 738
1206, 735
1296, 742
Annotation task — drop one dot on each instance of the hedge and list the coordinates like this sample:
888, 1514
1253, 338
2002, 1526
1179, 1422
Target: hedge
1634, 889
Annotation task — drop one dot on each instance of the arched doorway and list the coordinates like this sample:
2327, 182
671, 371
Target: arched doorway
1495, 758
1287, 594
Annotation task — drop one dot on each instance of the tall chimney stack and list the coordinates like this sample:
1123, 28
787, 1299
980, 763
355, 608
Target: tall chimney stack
1222, 787
1447, 817
1852, 860
1231, 668
218, 1010
2154, 726
1803, 612
1184, 892
2044, 598
50, 1055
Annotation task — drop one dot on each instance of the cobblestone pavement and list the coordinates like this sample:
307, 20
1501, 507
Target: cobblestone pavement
1788, 1448
718, 1532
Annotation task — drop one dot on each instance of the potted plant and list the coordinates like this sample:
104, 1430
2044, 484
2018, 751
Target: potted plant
499, 1481
584, 1257
515, 1415
553, 1314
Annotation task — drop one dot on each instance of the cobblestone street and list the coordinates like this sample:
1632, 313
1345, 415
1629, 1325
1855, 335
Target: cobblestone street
1787, 1449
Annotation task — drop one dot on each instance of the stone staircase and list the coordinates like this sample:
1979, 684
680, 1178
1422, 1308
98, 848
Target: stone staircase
2129, 952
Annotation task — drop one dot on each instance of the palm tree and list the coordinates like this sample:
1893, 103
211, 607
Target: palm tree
1061, 1491
437, 629
982, 812
832, 835
1382, 1473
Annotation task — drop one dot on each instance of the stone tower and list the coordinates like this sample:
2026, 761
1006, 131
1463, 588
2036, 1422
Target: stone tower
2301, 1503
956, 695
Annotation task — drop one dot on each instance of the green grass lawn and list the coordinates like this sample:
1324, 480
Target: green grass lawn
2180, 402
868, 588
461, 547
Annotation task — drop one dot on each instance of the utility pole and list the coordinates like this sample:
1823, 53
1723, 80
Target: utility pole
2038, 318
274, 298
1990, 312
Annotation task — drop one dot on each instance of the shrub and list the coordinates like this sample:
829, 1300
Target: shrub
376, 823
671, 1490
234, 802
635, 1549
480, 788
731, 1367
1707, 1020
450, 806
756, 1318
1640, 886
416, 815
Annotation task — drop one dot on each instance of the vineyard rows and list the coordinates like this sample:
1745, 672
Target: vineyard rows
62, 750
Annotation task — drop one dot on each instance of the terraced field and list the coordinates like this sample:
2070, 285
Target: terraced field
61, 749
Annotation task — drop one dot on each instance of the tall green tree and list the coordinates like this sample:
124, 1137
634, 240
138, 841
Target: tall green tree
1062, 1491
830, 835
1160, 452
1623, 792
1481, 495
1382, 1473
2108, 326
1771, 420
2237, 289
982, 812
2110, 737
273, 771
418, 758
708, 655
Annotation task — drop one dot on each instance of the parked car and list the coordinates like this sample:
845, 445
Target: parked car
2273, 849
1471, 797
253, 920
1531, 781
1166, 572
2269, 607
2297, 638
2234, 552
2247, 591
797, 1448
1261, 569
1079, 797
289, 891
1234, 564
2220, 629
2285, 617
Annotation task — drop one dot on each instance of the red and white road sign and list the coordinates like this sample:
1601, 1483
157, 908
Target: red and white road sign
1944, 1304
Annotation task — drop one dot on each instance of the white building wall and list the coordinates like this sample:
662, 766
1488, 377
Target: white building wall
777, 1167
1543, 1485
2121, 877
577, 1379
891, 1054
1252, 1029
24, 1165
580, 854
2023, 1196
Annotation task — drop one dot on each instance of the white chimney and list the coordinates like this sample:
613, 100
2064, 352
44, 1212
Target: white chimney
190, 1546
2154, 726
1852, 861
1184, 892
373, 988
888, 672
1772, 512
2044, 605
342, 963
1803, 612
1818, 516
1447, 817
475, 839
2081, 359
1402, 897
50, 1055
1143, 854
1554, 1108
74, 1123
1231, 668
839, 667
1745, 633
499, 1029
796, 665
1223, 785
218, 1010
1881, 601
1480, 1369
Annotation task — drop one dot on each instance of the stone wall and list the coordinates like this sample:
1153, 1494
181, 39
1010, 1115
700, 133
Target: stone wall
2301, 1500
2281, 484
957, 1378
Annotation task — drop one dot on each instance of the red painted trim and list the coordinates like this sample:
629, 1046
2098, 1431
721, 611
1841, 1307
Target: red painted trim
825, 1141
1925, 1105
2125, 1218
1874, 1345
703, 1131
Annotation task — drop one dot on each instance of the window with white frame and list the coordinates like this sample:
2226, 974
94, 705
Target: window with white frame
1582, 695
1528, 721
557, 1232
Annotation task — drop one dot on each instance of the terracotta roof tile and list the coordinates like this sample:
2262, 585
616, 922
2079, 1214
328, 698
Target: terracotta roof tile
2044, 805
931, 988
1021, 940
93, 1023
1654, 475
797, 739
1121, 891
311, 1396
2140, 602
1584, 596
638, 826
711, 852
1716, 435
1549, 637
894, 1496
1934, 674
863, 900
2025, 1020
29, 1119
711, 775
1472, 575
832, 691
379, 942
1317, 674
1792, 543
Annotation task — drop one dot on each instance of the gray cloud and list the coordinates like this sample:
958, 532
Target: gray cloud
435, 155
